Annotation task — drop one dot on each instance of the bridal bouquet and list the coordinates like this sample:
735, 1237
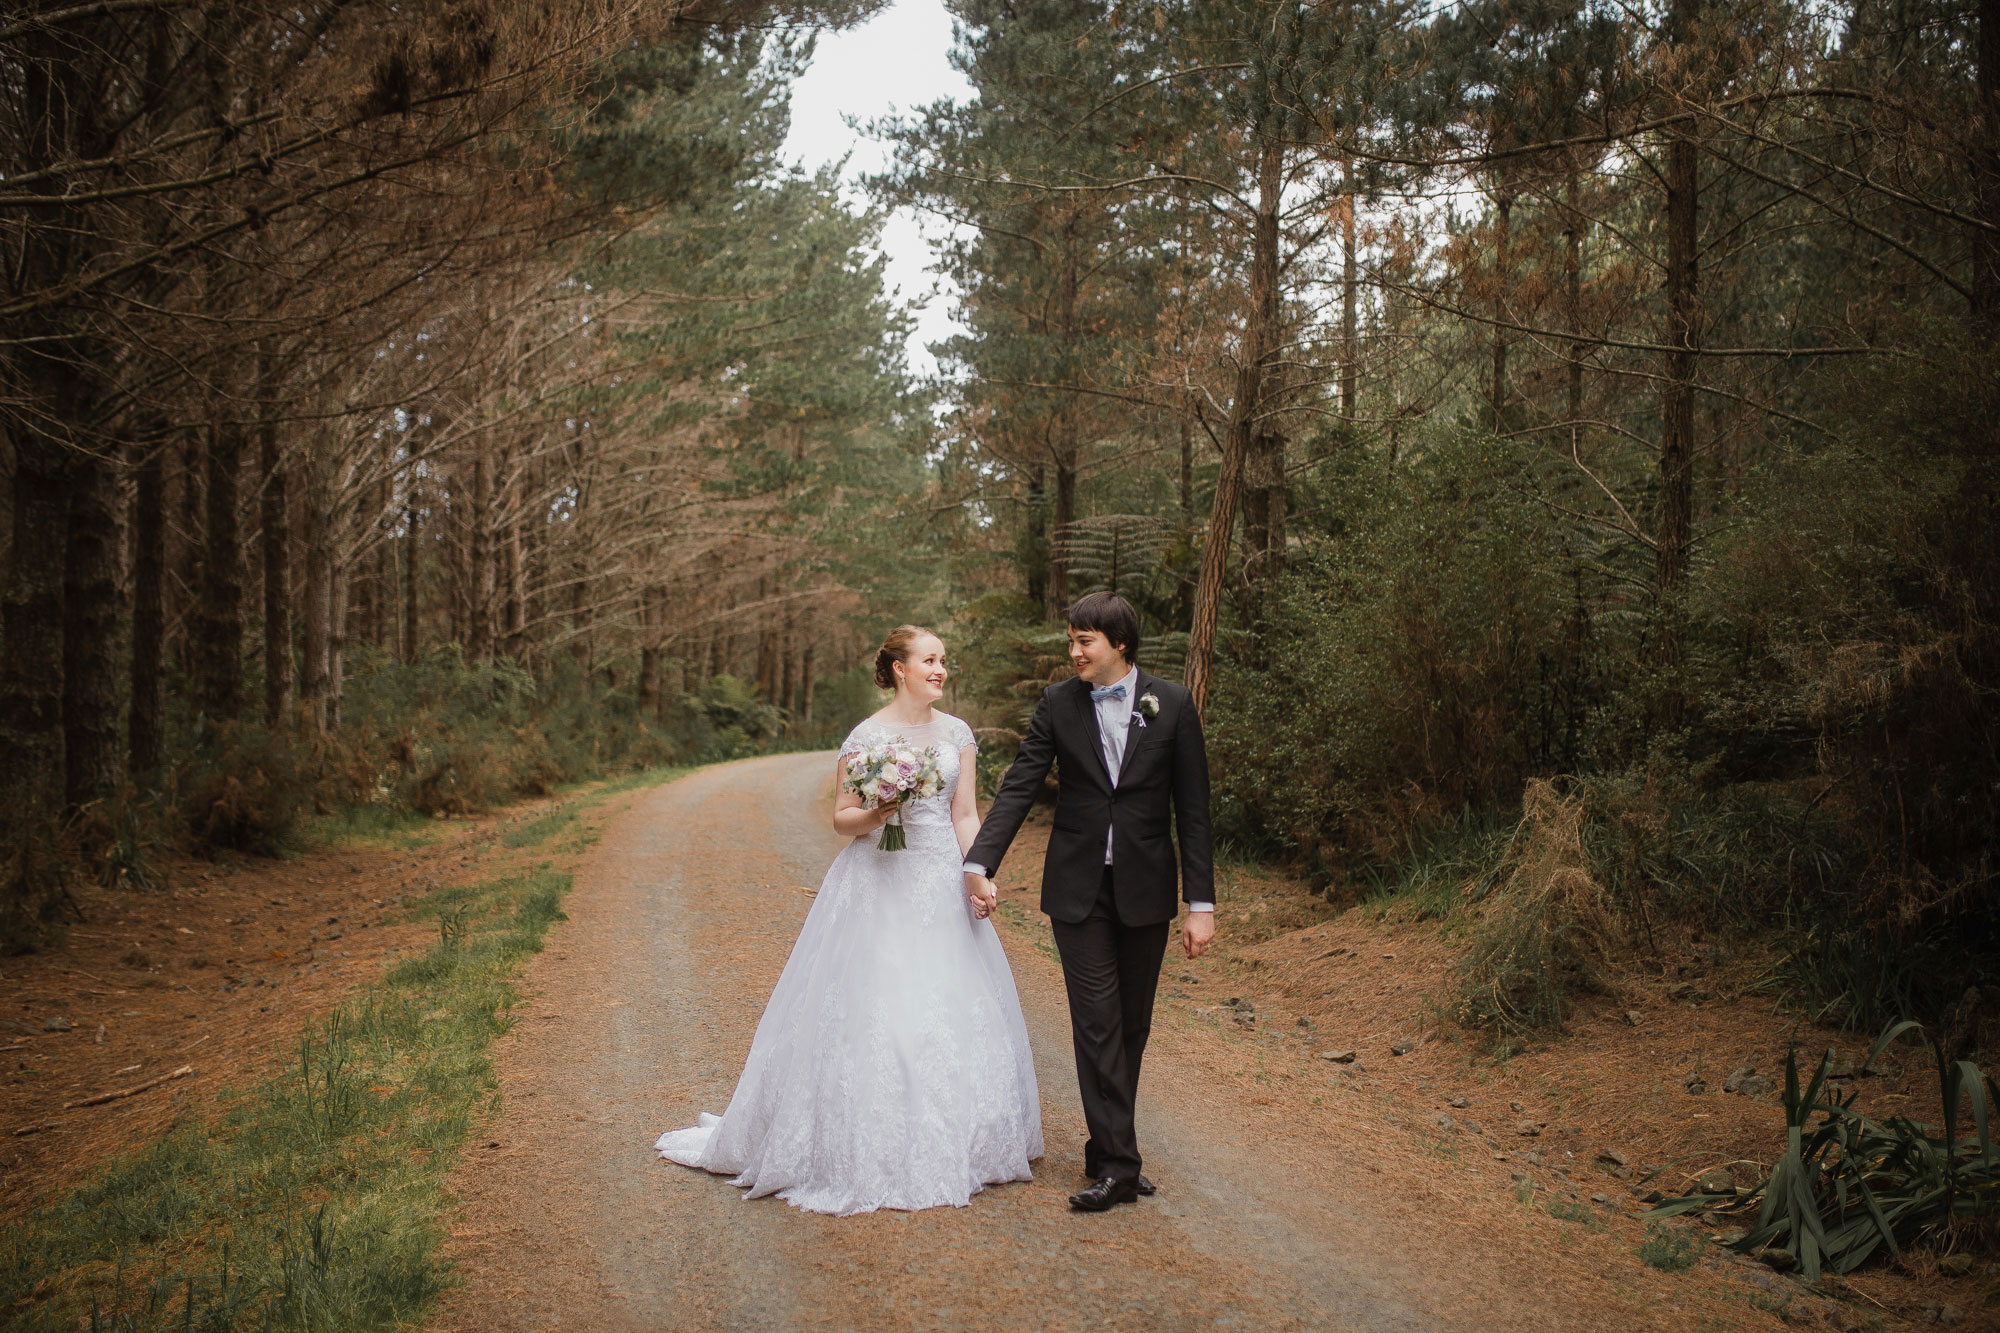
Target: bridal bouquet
884, 774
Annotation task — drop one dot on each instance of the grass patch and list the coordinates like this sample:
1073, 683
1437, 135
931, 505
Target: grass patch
393, 828
1565, 1211
536, 831
1669, 1249
313, 1200
1452, 862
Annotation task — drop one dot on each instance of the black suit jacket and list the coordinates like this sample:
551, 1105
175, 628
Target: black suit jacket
1164, 776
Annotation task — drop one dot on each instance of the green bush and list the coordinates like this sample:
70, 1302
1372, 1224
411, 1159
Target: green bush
1798, 750
1423, 658
245, 791
441, 736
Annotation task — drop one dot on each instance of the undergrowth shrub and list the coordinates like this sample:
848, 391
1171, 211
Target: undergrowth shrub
1547, 929
1796, 754
1427, 657
245, 791
442, 736
1850, 1187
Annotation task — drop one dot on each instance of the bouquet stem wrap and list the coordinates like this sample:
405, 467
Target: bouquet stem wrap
889, 775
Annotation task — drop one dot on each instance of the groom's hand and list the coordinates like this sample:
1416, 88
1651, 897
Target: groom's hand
1197, 929
981, 893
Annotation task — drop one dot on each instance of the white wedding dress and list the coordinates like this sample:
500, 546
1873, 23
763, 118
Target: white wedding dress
891, 1067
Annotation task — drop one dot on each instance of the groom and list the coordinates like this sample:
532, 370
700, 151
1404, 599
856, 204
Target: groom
1129, 753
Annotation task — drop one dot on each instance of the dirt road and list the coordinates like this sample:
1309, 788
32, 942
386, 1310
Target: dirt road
1281, 1204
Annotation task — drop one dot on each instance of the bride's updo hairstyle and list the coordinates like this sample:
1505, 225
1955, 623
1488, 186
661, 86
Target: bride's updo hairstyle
894, 649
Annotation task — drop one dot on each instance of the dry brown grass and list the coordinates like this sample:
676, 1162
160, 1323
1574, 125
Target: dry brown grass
1547, 932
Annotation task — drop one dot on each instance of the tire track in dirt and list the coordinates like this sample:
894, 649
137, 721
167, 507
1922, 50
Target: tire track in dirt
1273, 1210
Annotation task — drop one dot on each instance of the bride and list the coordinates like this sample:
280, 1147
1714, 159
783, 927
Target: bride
891, 1067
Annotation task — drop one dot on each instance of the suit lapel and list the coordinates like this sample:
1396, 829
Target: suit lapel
1093, 737
1134, 732
1137, 749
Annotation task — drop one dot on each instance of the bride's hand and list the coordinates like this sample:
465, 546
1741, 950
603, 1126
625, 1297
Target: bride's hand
981, 893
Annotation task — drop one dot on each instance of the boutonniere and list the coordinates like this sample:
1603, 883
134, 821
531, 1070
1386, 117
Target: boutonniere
1148, 706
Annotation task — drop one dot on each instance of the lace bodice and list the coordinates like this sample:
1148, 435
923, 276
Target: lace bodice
945, 734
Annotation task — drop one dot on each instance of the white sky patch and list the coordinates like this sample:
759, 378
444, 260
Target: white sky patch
895, 62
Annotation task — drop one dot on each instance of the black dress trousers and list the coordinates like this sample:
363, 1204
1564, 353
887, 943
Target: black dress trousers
1112, 971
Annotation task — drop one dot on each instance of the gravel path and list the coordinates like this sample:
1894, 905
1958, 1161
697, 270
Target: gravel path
1273, 1211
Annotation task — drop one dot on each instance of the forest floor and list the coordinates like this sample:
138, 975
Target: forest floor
1294, 1191
217, 972
1387, 1192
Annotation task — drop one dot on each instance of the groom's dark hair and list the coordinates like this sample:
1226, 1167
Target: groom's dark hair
1112, 616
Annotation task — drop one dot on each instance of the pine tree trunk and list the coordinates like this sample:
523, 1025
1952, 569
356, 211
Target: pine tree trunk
479, 575
1503, 228
1066, 434
649, 651
1986, 169
1035, 562
412, 549
766, 685
1187, 471
1064, 515
381, 577
450, 532
791, 669
31, 635
1256, 511
184, 593
1260, 338
1184, 592
275, 513
579, 621
218, 649
649, 680
92, 746
50, 103
1676, 506
513, 601
146, 727
1350, 285
336, 649
1266, 467
806, 691
1573, 288
320, 611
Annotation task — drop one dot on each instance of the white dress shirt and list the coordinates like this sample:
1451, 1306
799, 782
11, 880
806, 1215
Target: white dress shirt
1114, 730
1114, 724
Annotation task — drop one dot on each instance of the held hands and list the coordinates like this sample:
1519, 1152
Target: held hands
982, 894
1197, 929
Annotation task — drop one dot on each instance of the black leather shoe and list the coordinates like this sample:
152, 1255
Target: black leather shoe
1144, 1187
1103, 1195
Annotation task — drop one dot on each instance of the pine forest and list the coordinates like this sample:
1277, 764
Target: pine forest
1553, 440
